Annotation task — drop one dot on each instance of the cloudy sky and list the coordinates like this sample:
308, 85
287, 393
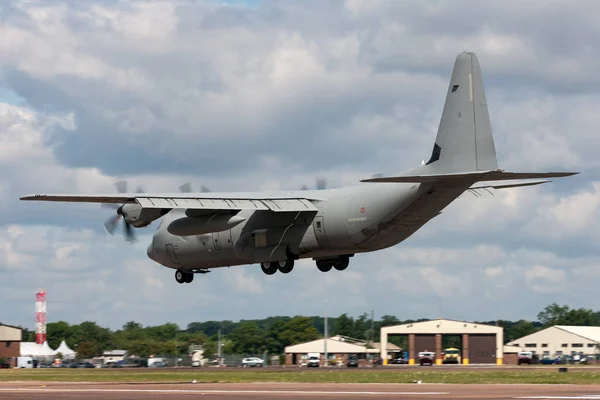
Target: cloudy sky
252, 95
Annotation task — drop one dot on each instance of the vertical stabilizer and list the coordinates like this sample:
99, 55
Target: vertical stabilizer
464, 140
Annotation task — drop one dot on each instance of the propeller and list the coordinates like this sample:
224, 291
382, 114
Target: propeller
321, 183
187, 188
110, 224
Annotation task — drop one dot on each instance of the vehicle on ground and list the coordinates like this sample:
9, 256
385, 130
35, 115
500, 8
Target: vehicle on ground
24, 362
525, 357
197, 359
205, 230
352, 361
547, 360
400, 360
426, 358
451, 356
252, 362
81, 365
158, 364
313, 361
113, 364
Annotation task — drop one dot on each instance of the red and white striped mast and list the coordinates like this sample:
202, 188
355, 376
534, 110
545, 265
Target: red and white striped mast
40, 316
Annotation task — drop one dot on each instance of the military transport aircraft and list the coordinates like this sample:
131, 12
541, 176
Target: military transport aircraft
205, 230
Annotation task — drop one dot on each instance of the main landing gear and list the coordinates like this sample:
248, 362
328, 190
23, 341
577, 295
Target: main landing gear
183, 277
284, 267
340, 263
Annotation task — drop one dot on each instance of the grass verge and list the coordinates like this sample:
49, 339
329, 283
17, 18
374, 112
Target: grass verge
327, 376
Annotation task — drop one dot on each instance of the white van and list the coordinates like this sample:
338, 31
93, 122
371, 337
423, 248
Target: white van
24, 362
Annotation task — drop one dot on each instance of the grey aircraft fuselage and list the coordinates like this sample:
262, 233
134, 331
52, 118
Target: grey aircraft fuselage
354, 219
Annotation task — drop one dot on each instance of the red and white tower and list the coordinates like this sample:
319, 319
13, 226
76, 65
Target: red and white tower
40, 316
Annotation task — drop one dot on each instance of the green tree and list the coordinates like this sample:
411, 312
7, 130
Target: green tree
248, 338
132, 326
362, 327
552, 314
89, 331
56, 332
87, 350
297, 330
343, 325
519, 329
210, 349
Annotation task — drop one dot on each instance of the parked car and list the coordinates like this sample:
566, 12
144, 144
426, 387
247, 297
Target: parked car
113, 364
352, 361
426, 358
525, 357
313, 361
548, 360
158, 364
81, 365
252, 362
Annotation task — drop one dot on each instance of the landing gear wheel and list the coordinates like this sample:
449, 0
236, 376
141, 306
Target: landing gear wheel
324, 266
189, 277
342, 263
285, 266
180, 276
269, 268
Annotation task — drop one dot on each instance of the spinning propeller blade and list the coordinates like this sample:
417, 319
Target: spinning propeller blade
110, 224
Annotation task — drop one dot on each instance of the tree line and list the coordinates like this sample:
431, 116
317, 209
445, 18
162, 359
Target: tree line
270, 335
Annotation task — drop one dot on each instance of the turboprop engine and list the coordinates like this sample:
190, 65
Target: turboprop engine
190, 226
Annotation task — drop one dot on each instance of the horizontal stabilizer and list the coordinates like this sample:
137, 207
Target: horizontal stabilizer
476, 176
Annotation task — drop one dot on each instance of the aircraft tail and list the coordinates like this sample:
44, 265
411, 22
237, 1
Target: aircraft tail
464, 150
464, 141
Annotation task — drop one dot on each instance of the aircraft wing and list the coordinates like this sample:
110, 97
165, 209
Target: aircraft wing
193, 201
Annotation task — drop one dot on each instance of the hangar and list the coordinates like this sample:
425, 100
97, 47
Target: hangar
562, 340
10, 342
339, 347
480, 343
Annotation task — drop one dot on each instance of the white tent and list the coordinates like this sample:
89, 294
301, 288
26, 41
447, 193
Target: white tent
33, 349
66, 352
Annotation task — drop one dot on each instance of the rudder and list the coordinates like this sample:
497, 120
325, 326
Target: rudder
464, 140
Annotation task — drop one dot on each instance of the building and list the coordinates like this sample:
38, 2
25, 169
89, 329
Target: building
480, 343
559, 340
114, 355
10, 342
338, 349
511, 354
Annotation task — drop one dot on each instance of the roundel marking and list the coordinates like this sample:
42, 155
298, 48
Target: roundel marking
362, 210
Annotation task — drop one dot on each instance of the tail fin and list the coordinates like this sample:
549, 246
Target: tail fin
464, 141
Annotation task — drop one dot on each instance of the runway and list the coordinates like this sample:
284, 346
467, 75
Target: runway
130, 391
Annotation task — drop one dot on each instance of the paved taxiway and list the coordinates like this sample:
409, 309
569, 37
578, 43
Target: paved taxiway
116, 391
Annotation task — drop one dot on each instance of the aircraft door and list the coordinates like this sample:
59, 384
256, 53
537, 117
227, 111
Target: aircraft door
319, 227
171, 253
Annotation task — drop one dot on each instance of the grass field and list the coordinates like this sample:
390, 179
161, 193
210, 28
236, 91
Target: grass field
207, 375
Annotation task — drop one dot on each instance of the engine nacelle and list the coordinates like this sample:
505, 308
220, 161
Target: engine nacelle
138, 216
190, 226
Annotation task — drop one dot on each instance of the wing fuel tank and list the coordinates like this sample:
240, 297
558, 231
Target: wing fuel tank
190, 226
